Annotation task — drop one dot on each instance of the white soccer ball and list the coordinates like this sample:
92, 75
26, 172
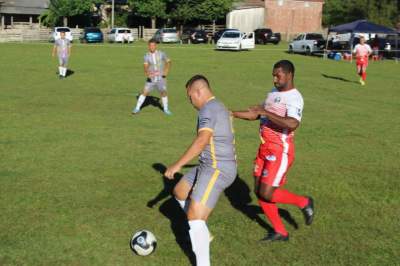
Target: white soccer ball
143, 243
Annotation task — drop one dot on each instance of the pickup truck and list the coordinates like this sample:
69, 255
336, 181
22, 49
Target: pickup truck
308, 43
265, 35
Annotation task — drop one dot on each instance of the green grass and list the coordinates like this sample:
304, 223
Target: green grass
76, 169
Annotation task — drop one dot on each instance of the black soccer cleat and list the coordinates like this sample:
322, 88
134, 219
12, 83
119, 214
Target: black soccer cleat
308, 211
274, 236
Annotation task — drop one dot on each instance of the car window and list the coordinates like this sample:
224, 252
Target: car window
314, 36
93, 30
112, 31
63, 30
231, 34
169, 30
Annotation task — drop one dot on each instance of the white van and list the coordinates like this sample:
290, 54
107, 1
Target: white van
120, 35
56, 34
236, 40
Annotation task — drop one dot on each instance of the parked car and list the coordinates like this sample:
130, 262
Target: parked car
166, 35
55, 35
264, 36
194, 36
236, 40
219, 33
308, 43
120, 35
91, 35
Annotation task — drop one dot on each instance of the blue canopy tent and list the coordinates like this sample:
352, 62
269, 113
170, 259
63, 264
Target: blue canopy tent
363, 26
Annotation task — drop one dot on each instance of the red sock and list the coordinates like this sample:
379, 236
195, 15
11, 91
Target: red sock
364, 76
286, 197
271, 212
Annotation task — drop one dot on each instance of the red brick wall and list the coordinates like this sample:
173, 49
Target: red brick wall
293, 16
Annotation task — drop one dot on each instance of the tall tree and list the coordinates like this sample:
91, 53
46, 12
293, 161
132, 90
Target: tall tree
149, 9
67, 8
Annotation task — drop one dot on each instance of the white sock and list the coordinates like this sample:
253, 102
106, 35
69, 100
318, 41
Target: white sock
140, 101
199, 236
64, 71
165, 102
60, 70
184, 204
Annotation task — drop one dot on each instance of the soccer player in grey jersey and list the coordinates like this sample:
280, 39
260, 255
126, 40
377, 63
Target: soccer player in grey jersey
215, 145
62, 47
156, 68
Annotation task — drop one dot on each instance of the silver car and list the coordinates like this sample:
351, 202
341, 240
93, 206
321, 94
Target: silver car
166, 35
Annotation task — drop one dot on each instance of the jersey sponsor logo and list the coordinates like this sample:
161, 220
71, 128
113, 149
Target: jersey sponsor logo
299, 112
277, 100
270, 158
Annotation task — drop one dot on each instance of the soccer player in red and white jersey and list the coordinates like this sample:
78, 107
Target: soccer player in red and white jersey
279, 115
362, 51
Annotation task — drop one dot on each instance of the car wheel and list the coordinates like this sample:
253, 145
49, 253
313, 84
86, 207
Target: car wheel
308, 51
290, 50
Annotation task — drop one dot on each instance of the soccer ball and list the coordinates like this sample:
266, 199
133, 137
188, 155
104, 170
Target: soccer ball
143, 243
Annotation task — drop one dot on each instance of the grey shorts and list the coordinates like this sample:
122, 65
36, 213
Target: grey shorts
208, 183
63, 61
161, 85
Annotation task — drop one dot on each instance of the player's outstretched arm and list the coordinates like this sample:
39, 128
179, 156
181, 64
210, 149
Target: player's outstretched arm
53, 53
246, 115
167, 67
286, 122
197, 146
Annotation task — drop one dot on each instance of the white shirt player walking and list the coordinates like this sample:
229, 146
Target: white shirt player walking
62, 47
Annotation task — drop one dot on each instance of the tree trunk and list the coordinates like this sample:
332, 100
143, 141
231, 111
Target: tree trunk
65, 21
153, 22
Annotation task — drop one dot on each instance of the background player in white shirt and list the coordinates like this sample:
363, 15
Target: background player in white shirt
279, 115
156, 69
62, 47
362, 51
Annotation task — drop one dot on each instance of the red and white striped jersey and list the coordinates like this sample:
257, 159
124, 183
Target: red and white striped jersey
285, 104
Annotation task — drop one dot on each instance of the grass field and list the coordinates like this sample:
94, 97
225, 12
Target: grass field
77, 170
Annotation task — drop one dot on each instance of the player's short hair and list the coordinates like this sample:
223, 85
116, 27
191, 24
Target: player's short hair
195, 78
152, 40
286, 66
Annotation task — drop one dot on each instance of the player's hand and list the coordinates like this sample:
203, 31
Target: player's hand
171, 171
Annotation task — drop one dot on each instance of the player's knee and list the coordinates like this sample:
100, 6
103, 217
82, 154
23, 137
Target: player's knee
265, 194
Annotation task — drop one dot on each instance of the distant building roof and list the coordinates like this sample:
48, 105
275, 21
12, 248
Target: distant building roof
28, 7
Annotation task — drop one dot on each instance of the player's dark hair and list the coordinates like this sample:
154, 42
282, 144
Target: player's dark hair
195, 78
152, 41
286, 66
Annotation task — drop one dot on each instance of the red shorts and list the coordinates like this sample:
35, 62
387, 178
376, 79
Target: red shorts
362, 62
272, 164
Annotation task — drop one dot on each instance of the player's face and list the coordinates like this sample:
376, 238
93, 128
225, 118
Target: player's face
280, 78
193, 97
62, 35
362, 40
152, 47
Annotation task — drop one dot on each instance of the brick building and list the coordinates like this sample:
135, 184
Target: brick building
289, 17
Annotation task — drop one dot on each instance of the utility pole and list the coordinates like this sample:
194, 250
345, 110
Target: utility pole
112, 13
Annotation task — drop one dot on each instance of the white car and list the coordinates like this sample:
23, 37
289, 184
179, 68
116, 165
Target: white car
236, 40
120, 35
56, 34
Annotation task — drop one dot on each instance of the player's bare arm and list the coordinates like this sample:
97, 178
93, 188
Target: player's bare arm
146, 70
282, 122
54, 51
246, 115
167, 67
197, 146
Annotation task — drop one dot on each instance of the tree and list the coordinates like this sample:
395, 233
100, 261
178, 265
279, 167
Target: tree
66, 8
149, 9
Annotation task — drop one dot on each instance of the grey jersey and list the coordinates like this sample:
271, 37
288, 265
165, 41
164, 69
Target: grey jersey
220, 152
62, 47
156, 62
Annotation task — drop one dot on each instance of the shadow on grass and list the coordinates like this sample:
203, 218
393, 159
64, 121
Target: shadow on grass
70, 72
171, 210
338, 78
151, 100
239, 196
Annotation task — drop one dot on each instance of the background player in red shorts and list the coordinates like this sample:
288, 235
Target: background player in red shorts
362, 52
279, 116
